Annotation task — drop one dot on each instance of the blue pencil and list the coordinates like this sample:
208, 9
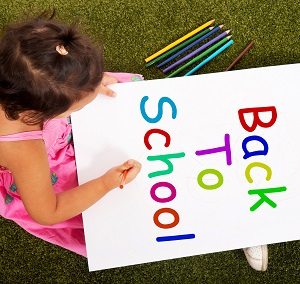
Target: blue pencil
209, 58
214, 30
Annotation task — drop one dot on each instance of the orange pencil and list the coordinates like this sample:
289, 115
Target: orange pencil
124, 175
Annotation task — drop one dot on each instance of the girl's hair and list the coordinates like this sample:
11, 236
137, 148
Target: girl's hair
36, 78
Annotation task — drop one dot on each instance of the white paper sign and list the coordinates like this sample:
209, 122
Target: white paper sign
209, 182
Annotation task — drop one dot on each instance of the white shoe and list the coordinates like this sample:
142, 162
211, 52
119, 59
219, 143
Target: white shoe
257, 257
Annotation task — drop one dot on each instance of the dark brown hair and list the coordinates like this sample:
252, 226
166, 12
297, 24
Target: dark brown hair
34, 77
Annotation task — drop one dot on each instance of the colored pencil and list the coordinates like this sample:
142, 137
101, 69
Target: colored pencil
211, 57
190, 46
182, 45
197, 51
240, 56
124, 175
197, 58
178, 41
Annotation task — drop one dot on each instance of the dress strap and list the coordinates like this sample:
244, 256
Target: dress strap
28, 135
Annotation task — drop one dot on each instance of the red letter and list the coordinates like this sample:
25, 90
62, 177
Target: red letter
256, 120
156, 130
166, 210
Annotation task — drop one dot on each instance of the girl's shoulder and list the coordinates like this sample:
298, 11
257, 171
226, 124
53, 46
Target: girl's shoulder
13, 152
13, 136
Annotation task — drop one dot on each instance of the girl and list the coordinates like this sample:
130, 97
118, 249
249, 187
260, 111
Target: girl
47, 71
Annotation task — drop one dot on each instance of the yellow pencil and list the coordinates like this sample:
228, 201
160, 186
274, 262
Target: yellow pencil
171, 45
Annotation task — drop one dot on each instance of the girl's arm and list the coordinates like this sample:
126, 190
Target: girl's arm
28, 162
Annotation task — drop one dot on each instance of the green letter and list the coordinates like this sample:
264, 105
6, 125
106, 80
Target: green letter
165, 159
263, 197
212, 186
257, 164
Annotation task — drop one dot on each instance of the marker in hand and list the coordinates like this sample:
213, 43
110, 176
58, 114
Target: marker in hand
124, 174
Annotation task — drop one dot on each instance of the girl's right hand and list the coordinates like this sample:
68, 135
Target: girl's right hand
112, 178
107, 80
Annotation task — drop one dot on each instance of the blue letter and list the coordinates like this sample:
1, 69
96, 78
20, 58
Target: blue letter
255, 153
160, 109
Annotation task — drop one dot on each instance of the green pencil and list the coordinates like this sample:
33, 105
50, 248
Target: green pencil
179, 46
215, 46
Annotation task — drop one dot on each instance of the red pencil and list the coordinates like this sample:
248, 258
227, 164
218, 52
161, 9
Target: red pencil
124, 174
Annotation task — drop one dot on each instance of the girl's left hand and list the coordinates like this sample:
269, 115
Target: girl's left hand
107, 80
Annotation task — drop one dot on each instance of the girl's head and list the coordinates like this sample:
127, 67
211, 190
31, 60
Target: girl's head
46, 69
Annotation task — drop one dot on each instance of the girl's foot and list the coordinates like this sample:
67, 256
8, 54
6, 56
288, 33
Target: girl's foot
257, 257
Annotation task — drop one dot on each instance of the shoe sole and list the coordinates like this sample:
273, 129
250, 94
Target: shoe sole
264, 258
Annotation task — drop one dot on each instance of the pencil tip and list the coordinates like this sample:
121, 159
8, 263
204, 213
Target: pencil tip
228, 31
228, 37
221, 26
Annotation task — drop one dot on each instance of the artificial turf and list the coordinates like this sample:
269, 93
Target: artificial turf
131, 30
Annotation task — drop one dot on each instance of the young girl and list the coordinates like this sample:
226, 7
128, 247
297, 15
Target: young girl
47, 71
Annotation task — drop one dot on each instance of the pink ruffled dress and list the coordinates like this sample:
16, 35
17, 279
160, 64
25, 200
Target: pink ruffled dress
57, 136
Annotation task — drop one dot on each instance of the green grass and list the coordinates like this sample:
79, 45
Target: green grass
132, 30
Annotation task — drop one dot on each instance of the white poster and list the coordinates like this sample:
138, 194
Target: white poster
220, 162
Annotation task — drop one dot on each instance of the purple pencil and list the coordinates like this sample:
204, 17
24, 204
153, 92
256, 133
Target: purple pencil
195, 52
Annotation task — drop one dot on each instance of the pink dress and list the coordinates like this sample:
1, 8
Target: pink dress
57, 136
